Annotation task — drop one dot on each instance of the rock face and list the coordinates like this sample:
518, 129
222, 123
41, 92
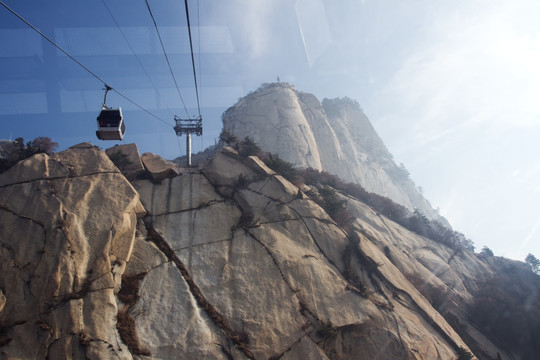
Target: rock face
230, 262
269, 269
335, 136
157, 167
127, 159
67, 229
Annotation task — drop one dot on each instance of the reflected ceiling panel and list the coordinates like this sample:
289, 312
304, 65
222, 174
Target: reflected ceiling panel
27, 44
23, 103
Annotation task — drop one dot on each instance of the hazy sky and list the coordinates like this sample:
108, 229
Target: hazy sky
452, 87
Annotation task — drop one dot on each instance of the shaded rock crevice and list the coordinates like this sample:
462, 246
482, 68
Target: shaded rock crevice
204, 244
296, 342
198, 207
4, 337
24, 217
251, 235
313, 238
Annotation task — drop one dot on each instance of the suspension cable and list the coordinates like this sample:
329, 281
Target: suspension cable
166, 56
199, 39
79, 63
136, 56
192, 57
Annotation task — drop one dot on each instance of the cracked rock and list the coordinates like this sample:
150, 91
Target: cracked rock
66, 220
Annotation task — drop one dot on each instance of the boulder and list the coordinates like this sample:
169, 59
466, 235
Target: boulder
127, 159
67, 225
159, 168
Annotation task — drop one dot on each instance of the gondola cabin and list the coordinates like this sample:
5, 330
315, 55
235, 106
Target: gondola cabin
110, 124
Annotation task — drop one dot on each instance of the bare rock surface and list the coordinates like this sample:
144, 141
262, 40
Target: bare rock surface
67, 229
159, 168
427, 271
230, 262
335, 136
127, 159
271, 276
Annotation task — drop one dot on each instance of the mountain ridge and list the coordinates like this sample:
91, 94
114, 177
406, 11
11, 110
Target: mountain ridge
230, 261
334, 136
116, 255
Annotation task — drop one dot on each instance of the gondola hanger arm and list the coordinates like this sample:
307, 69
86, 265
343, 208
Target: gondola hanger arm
107, 88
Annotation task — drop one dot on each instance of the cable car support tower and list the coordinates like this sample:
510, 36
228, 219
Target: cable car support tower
188, 127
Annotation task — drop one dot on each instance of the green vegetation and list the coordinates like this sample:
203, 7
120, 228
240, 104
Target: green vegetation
416, 221
282, 167
265, 86
326, 196
13, 152
248, 147
241, 182
326, 329
533, 262
330, 202
403, 173
437, 296
464, 354
333, 105
486, 252
129, 294
228, 138
506, 309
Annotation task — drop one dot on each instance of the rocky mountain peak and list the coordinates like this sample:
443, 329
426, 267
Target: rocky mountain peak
334, 136
229, 261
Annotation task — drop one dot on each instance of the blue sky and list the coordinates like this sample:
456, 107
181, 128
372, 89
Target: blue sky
452, 87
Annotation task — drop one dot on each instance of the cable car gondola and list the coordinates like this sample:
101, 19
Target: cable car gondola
110, 121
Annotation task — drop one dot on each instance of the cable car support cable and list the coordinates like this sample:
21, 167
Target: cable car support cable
166, 56
80, 64
192, 57
136, 56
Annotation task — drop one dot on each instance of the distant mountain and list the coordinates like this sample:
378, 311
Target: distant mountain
334, 136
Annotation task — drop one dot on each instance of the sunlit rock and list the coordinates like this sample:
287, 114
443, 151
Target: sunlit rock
335, 136
229, 262
67, 225
159, 168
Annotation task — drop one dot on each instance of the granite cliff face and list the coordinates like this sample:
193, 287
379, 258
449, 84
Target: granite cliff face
334, 136
67, 228
230, 261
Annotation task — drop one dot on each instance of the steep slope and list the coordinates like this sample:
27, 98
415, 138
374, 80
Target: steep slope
335, 136
233, 262
276, 274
